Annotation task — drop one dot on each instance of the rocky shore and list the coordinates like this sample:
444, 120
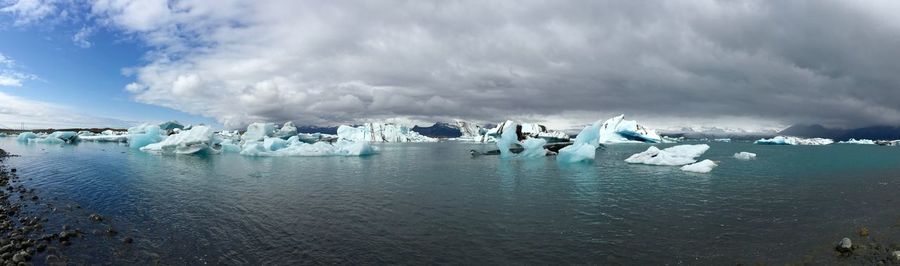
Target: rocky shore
23, 236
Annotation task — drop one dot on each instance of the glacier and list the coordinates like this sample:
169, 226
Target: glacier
197, 140
789, 140
584, 147
675, 155
704, 166
619, 130
143, 135
745, 155
381, 132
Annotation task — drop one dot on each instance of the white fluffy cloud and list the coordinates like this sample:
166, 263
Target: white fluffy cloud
336, 61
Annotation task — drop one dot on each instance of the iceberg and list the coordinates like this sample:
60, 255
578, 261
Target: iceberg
531, 147
525, 130
171, 127
199, 139
788, 140
379, 132
676, 155
507, 139
858, 141
287, 130
2, 134
534, 148
105, 136
57, 137
584, 147
258, 132
619, 130
745, 155
470, 131
704, 166
722, 140
293, 147
143, 135
25, 136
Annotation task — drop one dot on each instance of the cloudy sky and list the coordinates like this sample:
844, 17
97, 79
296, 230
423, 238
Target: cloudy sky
745, 64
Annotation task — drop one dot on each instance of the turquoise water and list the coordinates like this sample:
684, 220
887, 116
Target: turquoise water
433, 203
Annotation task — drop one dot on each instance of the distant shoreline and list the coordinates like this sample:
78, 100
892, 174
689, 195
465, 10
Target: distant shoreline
48, 130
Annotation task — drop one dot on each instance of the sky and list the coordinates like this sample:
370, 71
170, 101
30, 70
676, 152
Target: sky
754, 65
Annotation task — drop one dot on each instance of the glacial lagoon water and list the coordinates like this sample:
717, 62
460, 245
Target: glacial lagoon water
418, 203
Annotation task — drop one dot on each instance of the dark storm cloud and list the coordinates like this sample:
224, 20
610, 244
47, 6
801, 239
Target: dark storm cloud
832, 62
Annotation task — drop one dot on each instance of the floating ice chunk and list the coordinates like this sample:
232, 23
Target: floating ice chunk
525, 130
704, 166
859, 141
229, 145
470, 131
379, 132
676, 155
25, 136
258, 131
172, 127
788, 140
534, 148
722, 140
287, 130
296, 148
2, 134
507, 139
274, 144
57, 137
199, 139
745, 155
143, 135
619, 130
584, 147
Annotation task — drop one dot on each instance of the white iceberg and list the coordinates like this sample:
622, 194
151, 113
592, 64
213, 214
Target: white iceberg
380, 132
57, 137
105, 136
619, 130
858, 141
788, 140
258, 132
287, 130
199, 139
745, 155
584, 147
704, 166
293, 147
722, 140
525, 130
676, 155
470, 131
25, 136
143, 135
532, 147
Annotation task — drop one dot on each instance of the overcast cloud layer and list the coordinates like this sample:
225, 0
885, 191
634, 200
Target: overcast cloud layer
329, 62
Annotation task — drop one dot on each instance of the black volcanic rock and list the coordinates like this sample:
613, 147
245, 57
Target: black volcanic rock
439, 130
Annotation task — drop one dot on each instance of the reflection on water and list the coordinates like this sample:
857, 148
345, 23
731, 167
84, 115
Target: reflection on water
434, 203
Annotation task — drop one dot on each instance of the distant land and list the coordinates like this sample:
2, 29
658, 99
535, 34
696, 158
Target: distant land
873, 132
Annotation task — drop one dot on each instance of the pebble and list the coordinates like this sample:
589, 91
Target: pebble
896, 256
95, 217
128, 240
844, 245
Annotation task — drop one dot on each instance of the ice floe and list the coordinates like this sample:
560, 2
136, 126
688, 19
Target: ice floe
25, 136
199, 139
286, 131
584, 148
788, 140
143, 135
675, 155
704, 166
105, 136
532, 147
57, 137
523, 131
294, 147
381, 132
745, 155
858, 141
619, 130
258, 132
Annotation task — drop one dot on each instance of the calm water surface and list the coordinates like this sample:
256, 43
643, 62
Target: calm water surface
433, 203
